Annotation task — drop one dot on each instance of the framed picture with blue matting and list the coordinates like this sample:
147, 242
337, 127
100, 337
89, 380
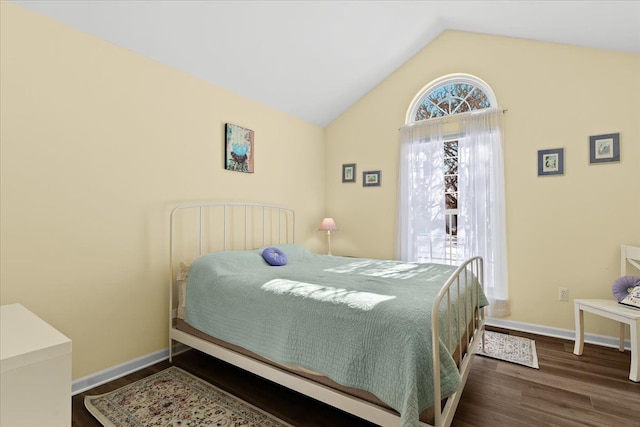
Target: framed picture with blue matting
604, 148
371, 178
551, 162
349, 172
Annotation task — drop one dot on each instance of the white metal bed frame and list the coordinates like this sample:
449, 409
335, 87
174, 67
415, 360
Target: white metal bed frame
458, 283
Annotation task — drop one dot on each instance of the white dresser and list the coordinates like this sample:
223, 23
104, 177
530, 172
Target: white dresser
35, 371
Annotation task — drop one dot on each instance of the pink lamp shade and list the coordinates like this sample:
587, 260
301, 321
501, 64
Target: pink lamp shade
328, 224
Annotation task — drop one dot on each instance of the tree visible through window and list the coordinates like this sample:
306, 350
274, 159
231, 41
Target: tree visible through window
451, 186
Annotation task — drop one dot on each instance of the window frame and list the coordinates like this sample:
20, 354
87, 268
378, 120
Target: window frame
451, 215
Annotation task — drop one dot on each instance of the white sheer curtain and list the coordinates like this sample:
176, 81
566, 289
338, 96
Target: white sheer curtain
481, 206
481, 226
421, 231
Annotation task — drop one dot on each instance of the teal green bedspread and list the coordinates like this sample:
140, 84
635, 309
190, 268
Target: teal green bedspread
363, 323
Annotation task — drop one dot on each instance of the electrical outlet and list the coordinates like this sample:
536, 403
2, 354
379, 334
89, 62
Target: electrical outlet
563, 294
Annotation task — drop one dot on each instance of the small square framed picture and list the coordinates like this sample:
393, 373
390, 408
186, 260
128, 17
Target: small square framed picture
349, 172
551, 162
604, 148
371, 178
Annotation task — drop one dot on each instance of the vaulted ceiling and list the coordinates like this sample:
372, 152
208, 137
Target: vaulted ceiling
314, 59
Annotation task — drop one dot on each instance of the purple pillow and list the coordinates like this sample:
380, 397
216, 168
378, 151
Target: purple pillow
274, 256
622, 287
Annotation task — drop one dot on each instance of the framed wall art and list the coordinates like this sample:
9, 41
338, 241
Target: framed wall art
349, 172
551, 162
238, 148
371, 179
604, 148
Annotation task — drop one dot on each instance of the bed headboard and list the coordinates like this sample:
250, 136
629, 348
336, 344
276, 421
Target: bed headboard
200, 228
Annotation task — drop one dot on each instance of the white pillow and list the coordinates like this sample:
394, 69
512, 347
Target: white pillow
183, 271
181, 279
182, 298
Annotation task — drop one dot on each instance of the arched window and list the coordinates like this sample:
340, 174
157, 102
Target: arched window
448, 95
452, 180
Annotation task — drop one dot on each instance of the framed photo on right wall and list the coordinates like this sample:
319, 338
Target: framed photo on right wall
604, 148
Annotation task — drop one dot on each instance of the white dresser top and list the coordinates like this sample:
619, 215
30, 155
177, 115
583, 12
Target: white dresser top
26, 339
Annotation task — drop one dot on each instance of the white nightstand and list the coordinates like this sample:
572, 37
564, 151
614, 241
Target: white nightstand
611, 310
35, 371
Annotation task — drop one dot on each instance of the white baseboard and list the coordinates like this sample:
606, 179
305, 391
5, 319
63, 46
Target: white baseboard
83, 384
566, 334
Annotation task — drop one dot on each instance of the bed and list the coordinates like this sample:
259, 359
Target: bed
387, 341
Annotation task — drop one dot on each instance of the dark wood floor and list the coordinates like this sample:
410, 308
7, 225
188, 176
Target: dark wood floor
567, 390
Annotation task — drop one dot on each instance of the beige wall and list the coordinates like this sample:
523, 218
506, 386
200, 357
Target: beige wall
97, 145
562, 230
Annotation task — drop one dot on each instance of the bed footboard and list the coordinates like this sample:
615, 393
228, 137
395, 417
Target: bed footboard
463, 285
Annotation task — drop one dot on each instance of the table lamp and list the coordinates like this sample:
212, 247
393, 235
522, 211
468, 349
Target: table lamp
328, 225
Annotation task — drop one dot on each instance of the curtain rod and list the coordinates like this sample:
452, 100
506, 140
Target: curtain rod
451, 118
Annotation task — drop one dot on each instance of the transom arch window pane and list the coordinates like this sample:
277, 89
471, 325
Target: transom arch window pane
452, 98
449, 95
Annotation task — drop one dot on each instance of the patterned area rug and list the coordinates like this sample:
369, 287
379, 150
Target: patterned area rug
174, 397
509, 348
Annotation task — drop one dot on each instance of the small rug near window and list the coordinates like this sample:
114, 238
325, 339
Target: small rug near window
509, 348
174, 397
